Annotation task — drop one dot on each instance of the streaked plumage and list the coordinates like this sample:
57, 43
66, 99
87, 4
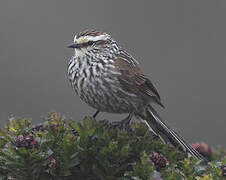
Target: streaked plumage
109, 79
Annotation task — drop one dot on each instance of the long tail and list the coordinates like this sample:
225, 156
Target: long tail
167, 134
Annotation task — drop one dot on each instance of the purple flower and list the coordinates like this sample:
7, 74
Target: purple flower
159, 160
203, 149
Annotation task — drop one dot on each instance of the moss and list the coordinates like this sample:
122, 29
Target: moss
93, 150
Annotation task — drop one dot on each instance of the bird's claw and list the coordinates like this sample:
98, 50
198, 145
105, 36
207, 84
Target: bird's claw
124, 124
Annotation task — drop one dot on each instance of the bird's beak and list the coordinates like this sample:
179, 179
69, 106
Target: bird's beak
73, 45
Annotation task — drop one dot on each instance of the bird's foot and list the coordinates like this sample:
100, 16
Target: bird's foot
124, 124
75, 133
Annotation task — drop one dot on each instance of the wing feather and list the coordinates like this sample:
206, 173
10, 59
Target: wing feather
134, 80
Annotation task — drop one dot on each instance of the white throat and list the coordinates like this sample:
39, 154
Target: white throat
80, 52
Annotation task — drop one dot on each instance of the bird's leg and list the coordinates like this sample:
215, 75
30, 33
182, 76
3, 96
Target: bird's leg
125, 123
75, 132
95, 114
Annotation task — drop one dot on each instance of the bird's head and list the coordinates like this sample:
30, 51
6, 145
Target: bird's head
92, 41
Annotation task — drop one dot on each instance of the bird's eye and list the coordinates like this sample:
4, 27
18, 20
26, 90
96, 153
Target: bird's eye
90, 43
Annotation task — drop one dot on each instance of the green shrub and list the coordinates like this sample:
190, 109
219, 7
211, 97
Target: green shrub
53, 150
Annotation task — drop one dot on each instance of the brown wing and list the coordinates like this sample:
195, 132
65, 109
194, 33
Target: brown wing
134, 80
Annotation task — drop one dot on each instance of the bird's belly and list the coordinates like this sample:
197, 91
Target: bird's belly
104, 94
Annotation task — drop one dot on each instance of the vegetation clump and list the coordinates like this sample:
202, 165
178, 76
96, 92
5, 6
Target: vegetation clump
60, 149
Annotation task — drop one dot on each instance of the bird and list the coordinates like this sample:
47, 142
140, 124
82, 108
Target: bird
109, 79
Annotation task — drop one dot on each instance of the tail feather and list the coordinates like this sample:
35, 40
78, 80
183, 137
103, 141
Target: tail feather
167, 134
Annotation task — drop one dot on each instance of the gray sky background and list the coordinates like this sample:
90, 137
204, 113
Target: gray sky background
180, 45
